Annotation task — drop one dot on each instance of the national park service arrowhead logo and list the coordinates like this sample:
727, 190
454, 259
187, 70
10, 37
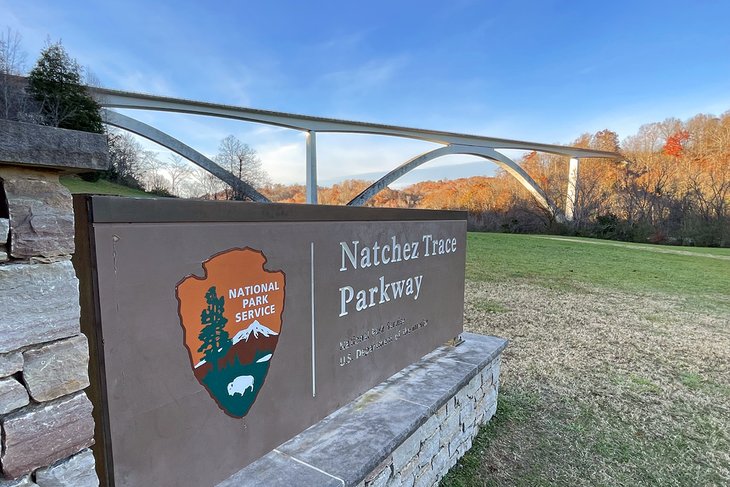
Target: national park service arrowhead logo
231, 319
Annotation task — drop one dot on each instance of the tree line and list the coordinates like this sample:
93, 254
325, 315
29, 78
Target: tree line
133, 166
673, 187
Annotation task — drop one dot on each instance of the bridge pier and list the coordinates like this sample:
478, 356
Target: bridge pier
572, 193
311, 167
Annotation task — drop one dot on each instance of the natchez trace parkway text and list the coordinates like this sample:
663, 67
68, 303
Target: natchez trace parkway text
356, 257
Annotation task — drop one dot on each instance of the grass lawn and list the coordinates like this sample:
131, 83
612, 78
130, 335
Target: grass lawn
618, 369
695, 276
77, 185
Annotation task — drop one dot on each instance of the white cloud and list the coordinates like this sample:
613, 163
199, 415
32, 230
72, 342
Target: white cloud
284, 163
343, 155
364, 78
236, 88
137, 80
345, 43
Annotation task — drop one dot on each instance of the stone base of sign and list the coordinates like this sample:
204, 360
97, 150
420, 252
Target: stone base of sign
408, 431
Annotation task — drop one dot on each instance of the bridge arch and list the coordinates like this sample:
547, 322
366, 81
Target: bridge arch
490, 154
456, 143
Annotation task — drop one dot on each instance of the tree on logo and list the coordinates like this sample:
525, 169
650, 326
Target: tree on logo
214, 337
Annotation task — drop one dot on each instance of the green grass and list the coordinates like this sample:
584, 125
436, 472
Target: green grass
489, 306
102, 186
618, 366
642, 384
532, 441
512, 410
565, 264
691, 380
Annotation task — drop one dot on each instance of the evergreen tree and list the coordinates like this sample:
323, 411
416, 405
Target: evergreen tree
214, 337
55, 82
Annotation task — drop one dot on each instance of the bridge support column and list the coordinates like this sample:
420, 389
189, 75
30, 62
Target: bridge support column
311, 167
572, 193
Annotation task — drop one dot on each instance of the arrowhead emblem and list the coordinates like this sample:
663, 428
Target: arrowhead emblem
231, 319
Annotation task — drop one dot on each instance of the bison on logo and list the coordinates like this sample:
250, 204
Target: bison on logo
231, 320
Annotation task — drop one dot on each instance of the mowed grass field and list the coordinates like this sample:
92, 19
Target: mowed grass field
618, 368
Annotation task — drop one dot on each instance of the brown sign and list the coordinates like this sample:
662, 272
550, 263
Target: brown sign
220, 330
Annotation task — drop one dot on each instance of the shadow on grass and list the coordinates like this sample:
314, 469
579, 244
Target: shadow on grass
470, 471
552, 440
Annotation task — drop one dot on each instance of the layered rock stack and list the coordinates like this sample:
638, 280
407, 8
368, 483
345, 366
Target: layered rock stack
45, 416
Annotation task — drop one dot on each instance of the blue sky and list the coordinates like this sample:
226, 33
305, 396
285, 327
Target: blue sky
533, 70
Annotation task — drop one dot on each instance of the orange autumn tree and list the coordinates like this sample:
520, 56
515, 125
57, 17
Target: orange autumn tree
674, 188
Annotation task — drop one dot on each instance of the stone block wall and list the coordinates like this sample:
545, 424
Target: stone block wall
45, 417
407, 431
426, 456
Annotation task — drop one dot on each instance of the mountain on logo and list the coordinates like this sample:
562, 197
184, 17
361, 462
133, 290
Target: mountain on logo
254, 328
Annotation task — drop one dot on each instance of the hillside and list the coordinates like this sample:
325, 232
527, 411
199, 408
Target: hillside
77, 185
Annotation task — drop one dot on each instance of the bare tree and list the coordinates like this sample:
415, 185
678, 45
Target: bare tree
241, 160
156, 182
12, 57
152, 173
178, 171
14, 103
89, 77
125, 158
190, 188
208, 187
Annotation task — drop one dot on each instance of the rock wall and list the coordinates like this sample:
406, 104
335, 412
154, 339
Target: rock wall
426, 456
45, 417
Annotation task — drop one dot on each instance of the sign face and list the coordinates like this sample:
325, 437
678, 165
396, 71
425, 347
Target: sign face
219, 330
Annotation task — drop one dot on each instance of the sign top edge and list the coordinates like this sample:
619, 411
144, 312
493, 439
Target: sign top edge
118, 209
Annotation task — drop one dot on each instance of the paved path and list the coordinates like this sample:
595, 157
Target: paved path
661, 250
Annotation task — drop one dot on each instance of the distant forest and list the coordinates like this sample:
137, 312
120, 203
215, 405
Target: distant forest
674, 189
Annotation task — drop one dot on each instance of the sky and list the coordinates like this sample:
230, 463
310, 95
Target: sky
544, 71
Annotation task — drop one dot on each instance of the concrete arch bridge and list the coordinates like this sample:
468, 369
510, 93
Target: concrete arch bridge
451, 144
